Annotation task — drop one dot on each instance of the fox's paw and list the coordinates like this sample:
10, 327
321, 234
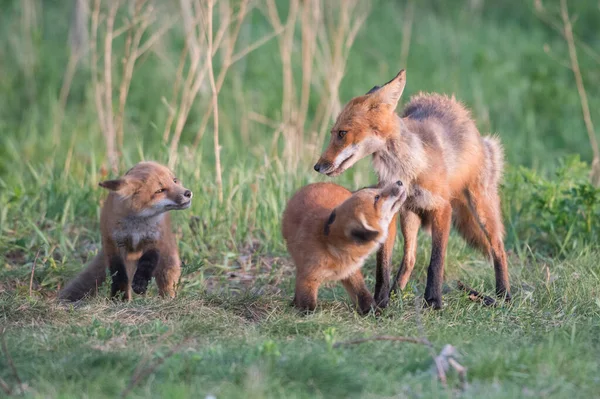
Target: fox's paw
503, 294
140, 284
382, 299
433, 303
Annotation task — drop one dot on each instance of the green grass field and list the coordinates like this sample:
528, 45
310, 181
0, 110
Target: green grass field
231, 332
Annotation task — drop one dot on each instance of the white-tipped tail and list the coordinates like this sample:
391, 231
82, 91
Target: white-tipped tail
87, 282
494, 161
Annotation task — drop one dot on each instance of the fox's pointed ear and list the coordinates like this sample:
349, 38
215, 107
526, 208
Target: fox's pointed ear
113, 185
363, 236
391, 92
329, 222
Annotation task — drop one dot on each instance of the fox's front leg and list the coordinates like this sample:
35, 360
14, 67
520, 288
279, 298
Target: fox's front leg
307, 289
440, 231
384, 265
144, 271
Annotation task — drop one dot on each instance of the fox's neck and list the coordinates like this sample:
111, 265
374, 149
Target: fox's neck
402, 158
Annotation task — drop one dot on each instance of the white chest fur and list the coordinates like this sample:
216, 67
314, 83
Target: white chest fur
133, 231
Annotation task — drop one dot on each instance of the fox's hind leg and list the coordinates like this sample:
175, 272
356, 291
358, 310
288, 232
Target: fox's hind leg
358, 291
384, 266
409, 224
479, 221
167, 274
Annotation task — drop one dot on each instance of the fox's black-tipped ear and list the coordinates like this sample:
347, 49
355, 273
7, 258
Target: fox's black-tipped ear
329, 222
113, 185
392, 91
363, 236
374, 89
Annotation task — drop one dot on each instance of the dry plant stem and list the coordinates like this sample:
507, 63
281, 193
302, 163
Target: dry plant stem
568, 32
311, 17
74, 58
220, 80
409, 12
33, 271
421, 341
10, 361
440, 370
140, 374
543, 15
215, 99
178, 76
94, 65
229, 42
134, 36
285, 52
351, 18
191, 17
109, 132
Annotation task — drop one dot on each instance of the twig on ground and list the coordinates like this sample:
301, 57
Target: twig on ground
447, 359
33, 271
143, 372
476, 296
414, 340
440, 371
5, 387
10, 361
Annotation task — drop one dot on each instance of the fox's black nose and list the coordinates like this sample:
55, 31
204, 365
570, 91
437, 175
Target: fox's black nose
187, 194
395, 191
317, 167
399, 183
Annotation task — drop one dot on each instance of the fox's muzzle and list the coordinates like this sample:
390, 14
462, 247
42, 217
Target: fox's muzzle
322, 166
395, 190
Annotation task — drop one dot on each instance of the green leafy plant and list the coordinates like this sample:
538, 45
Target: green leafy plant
553, 216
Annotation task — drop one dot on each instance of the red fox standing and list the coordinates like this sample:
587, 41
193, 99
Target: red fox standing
137, 241
447, 167
330, 232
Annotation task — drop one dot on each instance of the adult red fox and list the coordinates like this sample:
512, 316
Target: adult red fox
330, 232
137, 241
448, 168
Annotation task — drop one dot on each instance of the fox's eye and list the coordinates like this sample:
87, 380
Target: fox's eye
377, 197
162, 190
342, 133
176, 180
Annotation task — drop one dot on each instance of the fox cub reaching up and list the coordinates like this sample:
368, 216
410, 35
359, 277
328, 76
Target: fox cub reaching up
137, 241
329, 233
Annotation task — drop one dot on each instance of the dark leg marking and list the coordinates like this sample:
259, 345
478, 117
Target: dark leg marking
143, 273
118, 275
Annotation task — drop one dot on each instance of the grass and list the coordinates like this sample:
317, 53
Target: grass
231, 326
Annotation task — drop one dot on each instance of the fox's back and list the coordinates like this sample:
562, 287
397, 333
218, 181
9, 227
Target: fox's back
446, 125
314, 201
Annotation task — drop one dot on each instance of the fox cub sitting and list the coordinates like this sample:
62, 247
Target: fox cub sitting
329, 233
137, 241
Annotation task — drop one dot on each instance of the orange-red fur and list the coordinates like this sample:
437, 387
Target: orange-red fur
449, 170
137, 241
329, 233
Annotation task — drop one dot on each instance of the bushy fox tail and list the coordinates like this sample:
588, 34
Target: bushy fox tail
86, 282
494, 163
